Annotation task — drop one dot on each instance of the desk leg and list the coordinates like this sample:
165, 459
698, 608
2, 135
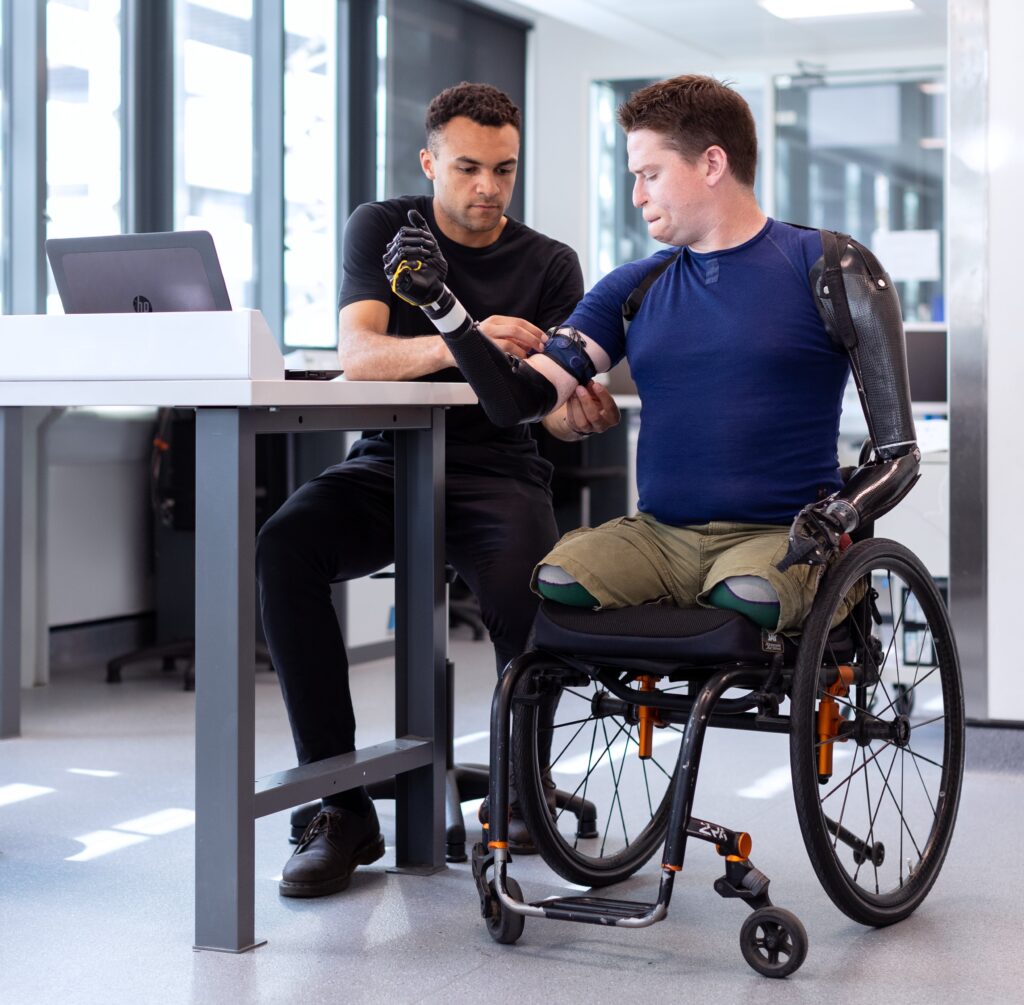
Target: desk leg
225, 685
420, 634
10, 572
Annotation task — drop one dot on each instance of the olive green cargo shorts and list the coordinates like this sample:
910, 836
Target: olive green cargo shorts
637, 560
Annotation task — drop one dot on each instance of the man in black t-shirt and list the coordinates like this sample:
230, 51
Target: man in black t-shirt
498, 515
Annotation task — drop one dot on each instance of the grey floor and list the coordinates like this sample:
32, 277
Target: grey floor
96, 879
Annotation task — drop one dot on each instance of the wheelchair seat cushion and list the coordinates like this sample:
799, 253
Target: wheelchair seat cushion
693, 635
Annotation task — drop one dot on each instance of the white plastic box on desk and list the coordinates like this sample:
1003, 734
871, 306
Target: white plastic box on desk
194, 345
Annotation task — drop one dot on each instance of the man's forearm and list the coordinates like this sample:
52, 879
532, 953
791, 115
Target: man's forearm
370, 355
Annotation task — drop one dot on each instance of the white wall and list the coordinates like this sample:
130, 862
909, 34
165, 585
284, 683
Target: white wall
1005, 358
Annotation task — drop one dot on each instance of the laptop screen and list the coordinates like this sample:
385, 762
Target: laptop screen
125, 273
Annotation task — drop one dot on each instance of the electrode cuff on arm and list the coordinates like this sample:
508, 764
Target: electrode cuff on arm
509, 392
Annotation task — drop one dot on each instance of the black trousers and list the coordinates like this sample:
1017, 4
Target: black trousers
340, 526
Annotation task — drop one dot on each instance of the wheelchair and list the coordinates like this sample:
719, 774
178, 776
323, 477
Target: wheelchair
610, 713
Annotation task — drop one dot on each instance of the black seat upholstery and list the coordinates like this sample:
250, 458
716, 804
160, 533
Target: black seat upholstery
690, 636
696, 635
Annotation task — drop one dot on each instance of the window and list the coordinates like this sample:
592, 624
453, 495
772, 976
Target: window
3, 170
310, 155
213, 187
864, 154
83, 121
433, 44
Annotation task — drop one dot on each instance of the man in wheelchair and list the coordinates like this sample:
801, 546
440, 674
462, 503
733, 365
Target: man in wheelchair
740, 350
741, 337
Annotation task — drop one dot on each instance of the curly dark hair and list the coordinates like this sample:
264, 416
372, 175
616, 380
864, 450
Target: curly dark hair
693, 113
483, 104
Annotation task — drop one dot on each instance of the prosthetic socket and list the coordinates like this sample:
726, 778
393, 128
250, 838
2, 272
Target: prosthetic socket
509, 392
861, 312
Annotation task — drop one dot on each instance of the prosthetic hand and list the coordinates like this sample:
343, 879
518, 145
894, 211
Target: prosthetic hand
814, 536
872, 490
414, 264
509, 393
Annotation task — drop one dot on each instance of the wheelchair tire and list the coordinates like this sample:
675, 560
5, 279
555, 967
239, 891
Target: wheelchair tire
504, 926
592, 759
877, 820
773, 941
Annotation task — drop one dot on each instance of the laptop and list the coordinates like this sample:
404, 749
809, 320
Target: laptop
122, 273
143, 273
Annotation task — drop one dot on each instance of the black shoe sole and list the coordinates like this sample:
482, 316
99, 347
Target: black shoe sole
365, 855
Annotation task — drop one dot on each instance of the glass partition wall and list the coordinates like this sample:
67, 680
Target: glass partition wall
864, 154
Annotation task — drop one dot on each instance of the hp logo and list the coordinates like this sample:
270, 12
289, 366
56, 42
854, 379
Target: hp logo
142, 305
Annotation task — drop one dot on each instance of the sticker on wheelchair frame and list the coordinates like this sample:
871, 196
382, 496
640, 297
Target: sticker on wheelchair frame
771, 642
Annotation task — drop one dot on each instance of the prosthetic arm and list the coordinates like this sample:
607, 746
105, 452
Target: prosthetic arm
861, 311
509, 391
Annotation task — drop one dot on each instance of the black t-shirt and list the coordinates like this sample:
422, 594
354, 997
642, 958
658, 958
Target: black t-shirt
523, 274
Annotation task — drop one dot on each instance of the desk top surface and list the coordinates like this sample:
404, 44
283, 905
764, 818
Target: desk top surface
241, 393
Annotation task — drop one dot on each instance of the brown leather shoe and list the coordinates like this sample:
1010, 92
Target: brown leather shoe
334, 843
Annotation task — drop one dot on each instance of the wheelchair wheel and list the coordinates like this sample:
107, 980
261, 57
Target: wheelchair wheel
877, 733
595, 809
773, 941
503, 926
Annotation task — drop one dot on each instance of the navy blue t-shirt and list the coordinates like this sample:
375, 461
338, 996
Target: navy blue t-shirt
741, 387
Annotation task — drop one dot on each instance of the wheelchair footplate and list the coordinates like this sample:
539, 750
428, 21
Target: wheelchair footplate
772, 940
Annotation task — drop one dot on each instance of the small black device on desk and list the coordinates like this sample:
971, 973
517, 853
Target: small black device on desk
312, 374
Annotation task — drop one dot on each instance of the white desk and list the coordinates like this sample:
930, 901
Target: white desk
230, 413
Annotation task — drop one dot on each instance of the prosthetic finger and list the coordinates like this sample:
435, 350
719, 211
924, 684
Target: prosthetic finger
813, 537
416, 257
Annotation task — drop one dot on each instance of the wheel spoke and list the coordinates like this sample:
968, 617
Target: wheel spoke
849, 778
921, 757
615, 786
554, 760
899, 806
924, 784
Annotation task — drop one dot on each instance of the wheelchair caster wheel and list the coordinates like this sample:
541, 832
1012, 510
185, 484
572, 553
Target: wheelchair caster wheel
504, 926
773, 941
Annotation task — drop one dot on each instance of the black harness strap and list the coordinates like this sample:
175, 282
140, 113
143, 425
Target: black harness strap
833, 245
631, 305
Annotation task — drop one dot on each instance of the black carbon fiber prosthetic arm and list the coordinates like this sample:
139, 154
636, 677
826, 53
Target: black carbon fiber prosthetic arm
861, 311
509, 391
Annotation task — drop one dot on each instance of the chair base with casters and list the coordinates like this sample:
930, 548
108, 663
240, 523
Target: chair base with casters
616, 704
169, 654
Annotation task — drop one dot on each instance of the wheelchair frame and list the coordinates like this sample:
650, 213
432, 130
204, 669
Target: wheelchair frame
773, 940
